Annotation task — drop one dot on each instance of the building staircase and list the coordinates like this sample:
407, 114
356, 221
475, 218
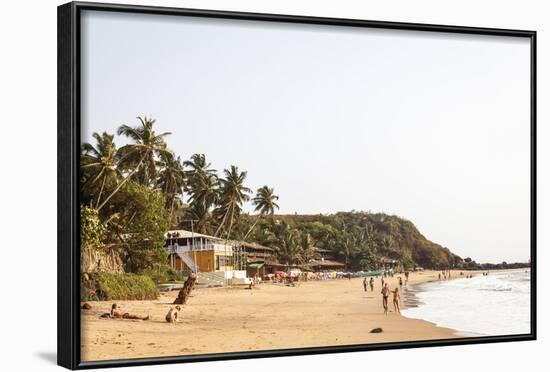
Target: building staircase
184, 255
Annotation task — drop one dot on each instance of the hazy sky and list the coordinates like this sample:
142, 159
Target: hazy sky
431, 127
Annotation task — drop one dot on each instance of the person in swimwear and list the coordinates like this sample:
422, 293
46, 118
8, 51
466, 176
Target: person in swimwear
396, 299
173, 315
117, 313
385, 294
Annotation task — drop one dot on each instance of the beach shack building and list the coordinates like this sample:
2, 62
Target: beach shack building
389, 263
324, 265
324, 260
194, 252
258, 259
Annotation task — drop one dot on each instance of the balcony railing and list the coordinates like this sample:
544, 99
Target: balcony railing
173, 248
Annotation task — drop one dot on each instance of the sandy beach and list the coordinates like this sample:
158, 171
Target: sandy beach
272, 316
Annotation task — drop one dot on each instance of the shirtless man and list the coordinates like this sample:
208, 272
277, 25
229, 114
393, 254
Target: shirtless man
173, 314
371, 283
385, 294
396, 298
365, 283
116, 313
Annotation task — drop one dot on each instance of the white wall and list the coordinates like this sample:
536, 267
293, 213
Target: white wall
28, 180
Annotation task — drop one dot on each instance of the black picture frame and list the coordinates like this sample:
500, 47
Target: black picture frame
68, 249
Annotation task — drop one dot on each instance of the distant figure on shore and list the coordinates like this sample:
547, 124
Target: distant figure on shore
173, 314
439, 276
365, 283
116, 313
371, 283
382, 280
406, 277
396, 298
400, 282
253, 282
385, 294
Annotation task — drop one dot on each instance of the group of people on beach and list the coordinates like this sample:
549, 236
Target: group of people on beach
396, 299
446, 274
369, 282
116, 313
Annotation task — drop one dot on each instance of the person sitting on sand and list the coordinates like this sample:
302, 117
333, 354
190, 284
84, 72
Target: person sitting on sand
116, 313
396, 298
371, 283
173, 314
385, 294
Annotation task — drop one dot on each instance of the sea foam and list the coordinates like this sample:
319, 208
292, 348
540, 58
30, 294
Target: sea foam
496, 304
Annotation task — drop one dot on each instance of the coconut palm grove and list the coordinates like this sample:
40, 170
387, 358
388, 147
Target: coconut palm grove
133, 194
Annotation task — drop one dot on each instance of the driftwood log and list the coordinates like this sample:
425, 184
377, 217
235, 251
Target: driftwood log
184, 293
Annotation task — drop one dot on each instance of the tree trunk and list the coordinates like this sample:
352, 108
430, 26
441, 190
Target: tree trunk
184, 293
222, 223
101, 191
121, 183
252, 227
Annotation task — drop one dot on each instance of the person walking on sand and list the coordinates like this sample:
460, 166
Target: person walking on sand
382, 280
385, 294
371, 283
365, 283
400, 282
396, 298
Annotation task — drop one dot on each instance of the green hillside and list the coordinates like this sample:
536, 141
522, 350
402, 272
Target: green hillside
363, 240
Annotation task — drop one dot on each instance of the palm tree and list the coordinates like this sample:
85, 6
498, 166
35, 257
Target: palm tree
171, 178
202, 184
306, 244
232, 195
198, 165
287, 244
144, 150
99, 163
348, 244
265, 203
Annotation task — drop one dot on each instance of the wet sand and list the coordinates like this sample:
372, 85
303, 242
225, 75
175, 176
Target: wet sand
272, 316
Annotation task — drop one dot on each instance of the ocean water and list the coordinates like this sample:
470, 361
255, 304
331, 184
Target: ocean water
496, 304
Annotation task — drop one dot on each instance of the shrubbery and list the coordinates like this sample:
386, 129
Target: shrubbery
92, 231
108, 287
164, 274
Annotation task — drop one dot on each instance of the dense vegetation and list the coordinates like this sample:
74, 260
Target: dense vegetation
133, 194
362, 240
109, 286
